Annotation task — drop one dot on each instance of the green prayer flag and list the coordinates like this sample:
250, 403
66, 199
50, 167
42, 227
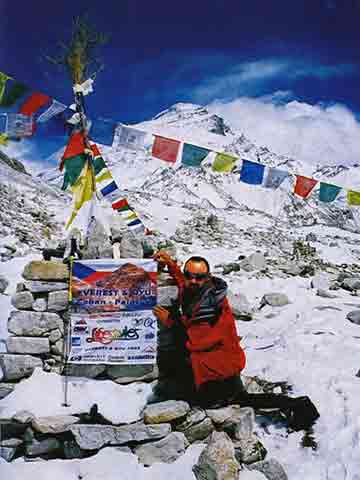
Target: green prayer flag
224, 163
73, 168
328, 192
12, 92
98, 164
353, 198
192, 156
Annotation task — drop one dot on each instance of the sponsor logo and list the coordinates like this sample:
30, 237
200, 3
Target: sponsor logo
149, 348
114, 358
80, 327
76, 341
149, 336
141, 357
100, 335
75, 358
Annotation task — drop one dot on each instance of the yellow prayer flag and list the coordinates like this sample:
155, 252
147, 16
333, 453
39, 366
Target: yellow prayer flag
82, 190
105, 175
353, 198
3, 139
224, 163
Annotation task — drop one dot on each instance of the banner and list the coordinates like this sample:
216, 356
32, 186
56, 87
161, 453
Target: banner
112, 320
252, 172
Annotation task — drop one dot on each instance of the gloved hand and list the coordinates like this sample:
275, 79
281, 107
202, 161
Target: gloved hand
163, 315
163, 258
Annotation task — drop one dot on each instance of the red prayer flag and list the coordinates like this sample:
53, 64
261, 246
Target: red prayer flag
165, 149
33, 103
119, 204
304, 185
95, 150
75, 146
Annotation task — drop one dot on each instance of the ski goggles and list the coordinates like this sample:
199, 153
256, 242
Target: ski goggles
195, 276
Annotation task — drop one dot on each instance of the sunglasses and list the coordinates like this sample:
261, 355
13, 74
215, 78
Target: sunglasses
195, 276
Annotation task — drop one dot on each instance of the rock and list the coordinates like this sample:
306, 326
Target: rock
291, 268
165, 411
311, 237
23, 417
196, 415
271, 468
217, 461
8, 448
98, 243
15, 367
251, 384
199, 431
93, 437
354, 317
22, 300
54, 336
72, 450
325, 293
241, 425
4, 283
255, 261
30, 345
40, 305
320, 281
34, 324
6, 389
124, 374
42, 447
220, 415
249, 450
240, 306
274, 300
351, 284
54, 425
45, 270
44, 287
58, 347
166, 294
87, 371
166, 450
230, 267
131, 246
58, 301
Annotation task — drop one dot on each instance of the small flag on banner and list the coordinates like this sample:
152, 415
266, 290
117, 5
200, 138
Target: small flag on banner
102, 131
328, 192
19, 125
275, 178
252, 172
304, 186
165, 149
353, 198
192, 156
223, 163
129, 137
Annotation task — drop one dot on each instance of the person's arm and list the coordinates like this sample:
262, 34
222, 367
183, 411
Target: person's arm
163, 258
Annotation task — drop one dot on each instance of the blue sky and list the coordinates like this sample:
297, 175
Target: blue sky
214, 51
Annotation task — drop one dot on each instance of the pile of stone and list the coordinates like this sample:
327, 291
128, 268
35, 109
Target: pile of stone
163, 434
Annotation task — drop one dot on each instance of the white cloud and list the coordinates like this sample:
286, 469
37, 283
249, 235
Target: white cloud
27, 153
316, 134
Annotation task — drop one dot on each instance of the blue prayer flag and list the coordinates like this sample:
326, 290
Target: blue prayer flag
275, 178
102, 131
328, 192
192, 156
252, 172
111, 187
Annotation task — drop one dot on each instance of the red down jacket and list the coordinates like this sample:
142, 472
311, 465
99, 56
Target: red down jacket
215, 350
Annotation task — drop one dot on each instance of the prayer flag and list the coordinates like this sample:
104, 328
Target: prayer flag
353, 198
33, 103
12, 91
101, 171
102, 131
252, 172
304, 186
275, 178
73, 160
53, 110
83, 191
3, 121
224, 163
111, 187
192, 156
121, 205
129, 137
328, 192
19, 125
165, 149
75, 146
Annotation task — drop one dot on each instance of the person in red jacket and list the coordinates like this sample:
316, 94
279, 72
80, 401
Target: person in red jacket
206, 363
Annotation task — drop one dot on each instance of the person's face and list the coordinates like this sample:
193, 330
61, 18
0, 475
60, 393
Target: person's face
196, 274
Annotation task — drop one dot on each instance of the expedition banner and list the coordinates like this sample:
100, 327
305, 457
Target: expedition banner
112, 320
103, 286
121, 338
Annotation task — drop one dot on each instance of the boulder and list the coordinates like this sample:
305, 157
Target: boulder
166, 450
240, 425
45, 270
30, 345
271, 468
54, 425
4, 283
195, 416
40, 305
199, 431
43, 447
15, 367
58, 301
354, 317
22, 300
8, 448
351, 284
255, 261
217, 461
44, 287
87, 371
240, 306
93, 437
274, 300
249, 450
131, 246
124, 374
165, 411
34, 324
